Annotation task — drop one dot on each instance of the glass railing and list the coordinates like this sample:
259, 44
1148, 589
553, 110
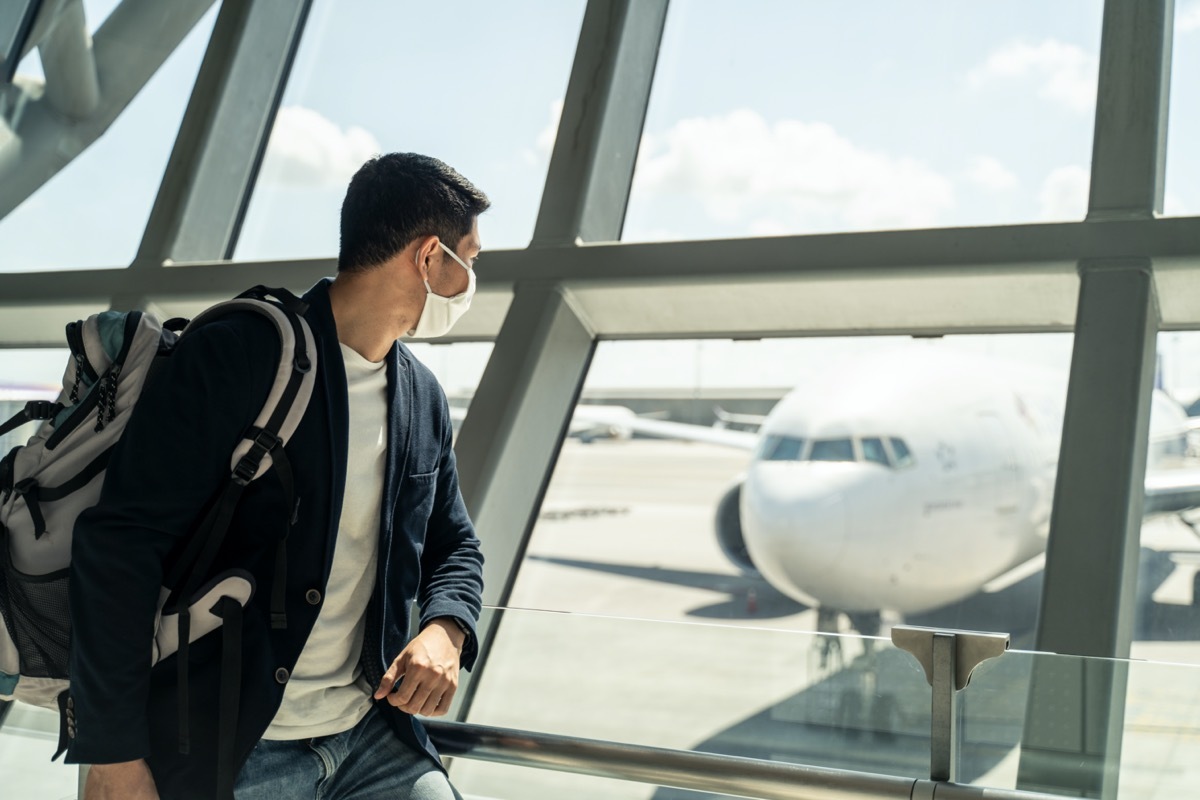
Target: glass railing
1026, 721
843, 702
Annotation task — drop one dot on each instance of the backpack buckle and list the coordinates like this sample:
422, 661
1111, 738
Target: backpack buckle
261, 442
41, 409
266, 440
244, 471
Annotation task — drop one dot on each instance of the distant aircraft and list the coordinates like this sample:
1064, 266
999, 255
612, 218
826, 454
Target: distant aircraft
910, 480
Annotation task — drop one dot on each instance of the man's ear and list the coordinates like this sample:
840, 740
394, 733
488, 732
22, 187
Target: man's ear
426, 247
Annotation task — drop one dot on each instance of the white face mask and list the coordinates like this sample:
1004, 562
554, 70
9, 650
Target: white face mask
440, 313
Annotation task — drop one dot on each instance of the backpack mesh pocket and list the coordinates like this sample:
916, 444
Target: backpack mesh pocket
37, 616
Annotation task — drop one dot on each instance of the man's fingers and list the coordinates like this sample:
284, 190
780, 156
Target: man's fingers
391, 677
439, 708
420, 698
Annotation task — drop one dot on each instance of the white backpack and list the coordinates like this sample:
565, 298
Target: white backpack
47, 483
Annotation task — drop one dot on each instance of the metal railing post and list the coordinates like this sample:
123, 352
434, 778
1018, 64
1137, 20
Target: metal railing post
949, 658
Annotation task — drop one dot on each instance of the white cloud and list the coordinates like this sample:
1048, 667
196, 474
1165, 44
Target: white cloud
545, 139
306, 149
790, 174
1063, 72
1188, 19
988, 173
543, 145
1064, 194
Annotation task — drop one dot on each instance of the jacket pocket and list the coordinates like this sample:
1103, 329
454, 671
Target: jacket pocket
415, 505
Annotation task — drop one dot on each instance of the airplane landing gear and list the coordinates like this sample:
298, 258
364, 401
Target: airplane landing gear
828, 645
861, 706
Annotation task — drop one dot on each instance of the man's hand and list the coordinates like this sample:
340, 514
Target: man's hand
425, 674
130, 780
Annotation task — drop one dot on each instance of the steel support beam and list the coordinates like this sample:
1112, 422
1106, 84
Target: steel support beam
72, 86
207, 183
884, 255
510, 440
1076, 710
591, 166
129, 48
1021, 278
1129, 147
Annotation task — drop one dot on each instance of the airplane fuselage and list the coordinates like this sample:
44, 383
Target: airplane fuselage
907, 483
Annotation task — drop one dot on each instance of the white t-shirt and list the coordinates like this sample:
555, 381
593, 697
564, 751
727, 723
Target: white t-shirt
326, 693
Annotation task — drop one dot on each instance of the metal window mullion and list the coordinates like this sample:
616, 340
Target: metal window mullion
1075, 716
869, 256
511, 437
202, 199
1129, 146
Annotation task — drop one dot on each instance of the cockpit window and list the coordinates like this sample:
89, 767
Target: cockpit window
781, 448
903, 455
874, 451
832, 450
890, 452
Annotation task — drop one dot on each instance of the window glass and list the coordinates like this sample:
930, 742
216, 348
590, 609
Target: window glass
94, 211
832, 450
903, 454
458, 368
874, 451
27, 375
1183, 121
774, 118
478, 85
675, 528
685, 530
782, 448
1168, 618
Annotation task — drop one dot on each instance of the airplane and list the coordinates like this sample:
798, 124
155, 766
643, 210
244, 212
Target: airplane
909, 480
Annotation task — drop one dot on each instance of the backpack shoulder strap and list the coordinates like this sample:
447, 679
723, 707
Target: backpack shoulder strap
291, 390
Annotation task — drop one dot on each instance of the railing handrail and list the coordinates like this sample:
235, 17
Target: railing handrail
683, 769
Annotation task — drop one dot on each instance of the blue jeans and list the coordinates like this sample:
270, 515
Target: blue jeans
366, 762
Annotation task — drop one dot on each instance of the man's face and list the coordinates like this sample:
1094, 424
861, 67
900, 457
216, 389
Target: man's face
448, 278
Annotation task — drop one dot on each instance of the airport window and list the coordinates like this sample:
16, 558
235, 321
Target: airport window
782, 448
61, 225
1183, 123
365, 83
696, 529
832, 450
874, 451
27, 375
989, 110
903, 455
458, 368
1168, 609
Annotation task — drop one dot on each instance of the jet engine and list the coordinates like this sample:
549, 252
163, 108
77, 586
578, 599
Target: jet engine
729, 529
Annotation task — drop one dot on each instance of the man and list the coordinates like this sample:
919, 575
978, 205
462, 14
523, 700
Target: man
325, 703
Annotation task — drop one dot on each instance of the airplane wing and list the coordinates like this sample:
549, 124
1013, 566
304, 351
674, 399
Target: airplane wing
662, 429
620, 418
728, 418
1169, 490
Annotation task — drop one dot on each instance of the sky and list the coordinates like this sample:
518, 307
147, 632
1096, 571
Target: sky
766, 118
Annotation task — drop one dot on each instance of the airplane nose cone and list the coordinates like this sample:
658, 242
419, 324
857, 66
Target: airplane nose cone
796, 520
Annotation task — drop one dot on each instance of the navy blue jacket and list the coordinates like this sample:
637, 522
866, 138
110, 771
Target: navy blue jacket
171, 461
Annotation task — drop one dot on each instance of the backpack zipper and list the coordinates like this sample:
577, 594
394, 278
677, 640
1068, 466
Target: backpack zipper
93, 397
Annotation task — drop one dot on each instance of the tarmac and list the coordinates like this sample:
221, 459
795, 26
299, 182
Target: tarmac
626, 623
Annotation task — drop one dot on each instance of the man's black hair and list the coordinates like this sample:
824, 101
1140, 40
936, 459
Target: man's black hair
396, 198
